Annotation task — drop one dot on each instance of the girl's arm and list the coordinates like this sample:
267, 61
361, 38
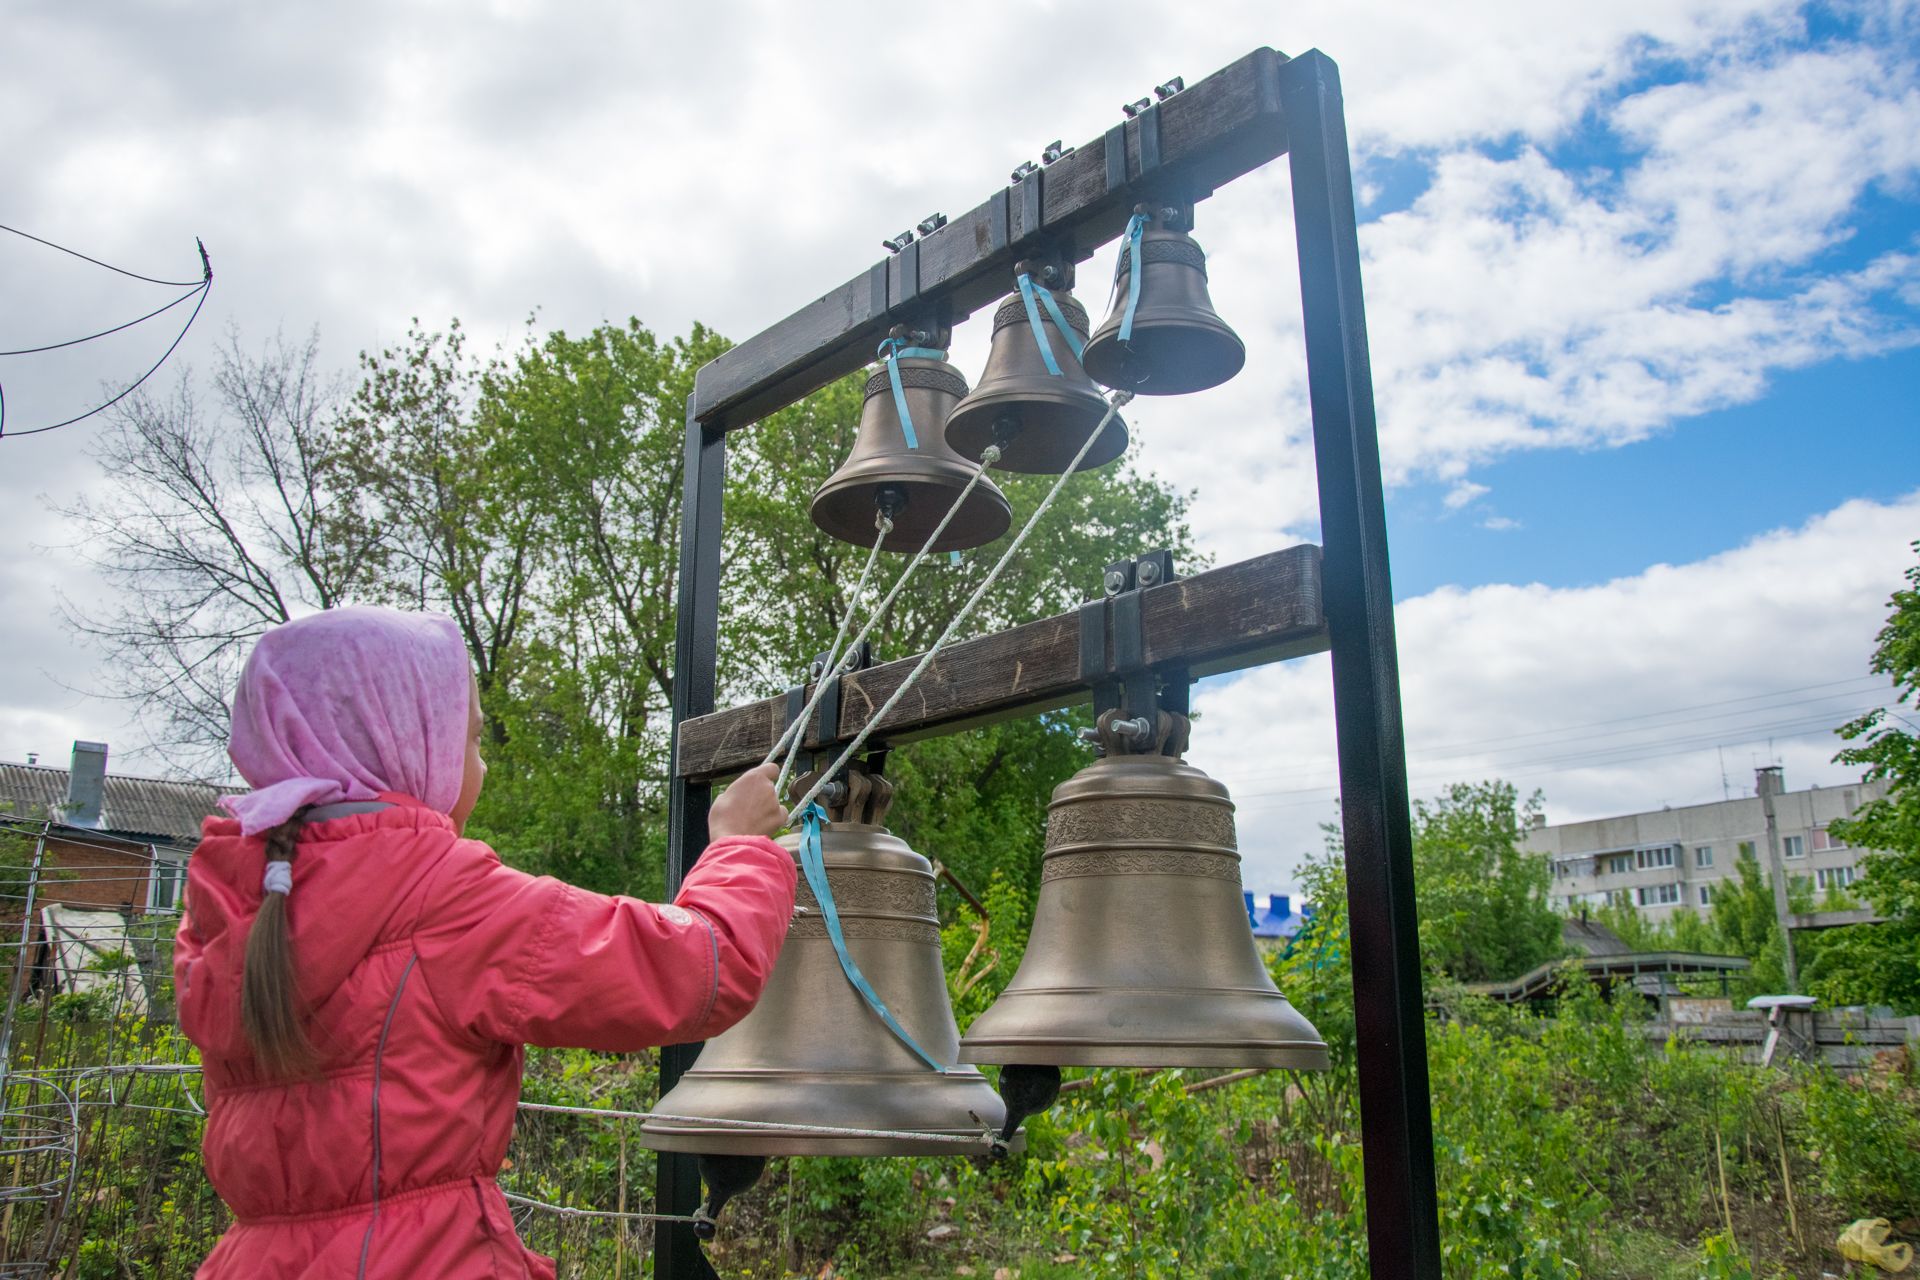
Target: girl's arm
523, 959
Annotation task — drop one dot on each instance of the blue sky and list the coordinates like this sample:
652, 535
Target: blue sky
1820, 436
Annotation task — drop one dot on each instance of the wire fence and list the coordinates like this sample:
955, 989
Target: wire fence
101, 1106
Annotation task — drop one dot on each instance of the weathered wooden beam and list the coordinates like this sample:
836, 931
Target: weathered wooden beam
1257, 611
1209, 134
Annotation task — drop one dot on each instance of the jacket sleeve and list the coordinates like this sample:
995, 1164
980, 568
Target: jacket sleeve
530, 960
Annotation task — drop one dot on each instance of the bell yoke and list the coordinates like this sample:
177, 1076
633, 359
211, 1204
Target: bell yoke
1140, 954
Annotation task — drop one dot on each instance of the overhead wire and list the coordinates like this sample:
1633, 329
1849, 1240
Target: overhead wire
199, 290
1461, 747
171, 284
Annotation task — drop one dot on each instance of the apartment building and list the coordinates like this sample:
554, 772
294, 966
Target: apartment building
1667, 859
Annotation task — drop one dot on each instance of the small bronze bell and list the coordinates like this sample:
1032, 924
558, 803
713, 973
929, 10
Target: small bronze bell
914, 484
1176, 341
1140, 953
813, 1052
1038, 418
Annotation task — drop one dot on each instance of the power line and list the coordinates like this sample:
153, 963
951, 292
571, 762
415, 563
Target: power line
172, 284
1458, 749
205, 288
74, 342
1524, 767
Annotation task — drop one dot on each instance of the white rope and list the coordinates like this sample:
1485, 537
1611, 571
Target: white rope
987, 459
568, 1211
1117, 399
884, 523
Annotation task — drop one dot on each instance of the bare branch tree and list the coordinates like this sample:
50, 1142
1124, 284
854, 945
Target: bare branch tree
218, 520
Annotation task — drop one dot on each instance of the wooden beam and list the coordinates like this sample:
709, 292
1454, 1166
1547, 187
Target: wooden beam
1209, 134
1261, 610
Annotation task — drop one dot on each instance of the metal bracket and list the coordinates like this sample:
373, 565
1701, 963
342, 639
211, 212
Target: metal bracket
1016, 209
826, 721
1113, 642
903, 277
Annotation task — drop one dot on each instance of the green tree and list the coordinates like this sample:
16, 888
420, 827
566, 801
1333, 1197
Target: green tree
1482, 899
1872, 964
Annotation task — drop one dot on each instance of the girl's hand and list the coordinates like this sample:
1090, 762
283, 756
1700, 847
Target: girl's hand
749, 807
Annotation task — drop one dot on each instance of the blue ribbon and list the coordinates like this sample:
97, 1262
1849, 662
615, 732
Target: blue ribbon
893, 349
1136, 227
814, 864
1033, 294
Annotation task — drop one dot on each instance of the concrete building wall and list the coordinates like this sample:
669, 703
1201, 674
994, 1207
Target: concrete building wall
1654, 862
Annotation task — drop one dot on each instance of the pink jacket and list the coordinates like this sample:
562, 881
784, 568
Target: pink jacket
428, 965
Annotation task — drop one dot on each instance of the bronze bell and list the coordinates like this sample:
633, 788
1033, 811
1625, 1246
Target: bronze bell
1039, 419
813, 1052
1140, 953
1178, 342
914, 485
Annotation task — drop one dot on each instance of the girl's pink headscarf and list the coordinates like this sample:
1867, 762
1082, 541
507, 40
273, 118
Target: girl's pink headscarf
346, 704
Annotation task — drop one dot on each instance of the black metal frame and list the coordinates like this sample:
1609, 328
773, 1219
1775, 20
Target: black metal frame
836, 335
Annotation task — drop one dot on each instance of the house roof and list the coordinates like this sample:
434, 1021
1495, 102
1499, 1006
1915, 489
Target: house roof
1589, 937
151, 809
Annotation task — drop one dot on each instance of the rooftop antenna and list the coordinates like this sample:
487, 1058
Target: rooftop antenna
1726, 788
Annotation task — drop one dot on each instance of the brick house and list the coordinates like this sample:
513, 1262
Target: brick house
111, 843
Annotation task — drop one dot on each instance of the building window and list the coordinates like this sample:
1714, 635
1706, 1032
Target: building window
1654, 859
1703, 855
1706, 895
1619, 864
1833, 877
1657, 895
1794, 846
164, 885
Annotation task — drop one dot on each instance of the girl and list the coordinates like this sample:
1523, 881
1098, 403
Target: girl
361, 981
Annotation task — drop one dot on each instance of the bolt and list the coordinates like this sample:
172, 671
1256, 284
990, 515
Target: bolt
1148, 572
1116, 581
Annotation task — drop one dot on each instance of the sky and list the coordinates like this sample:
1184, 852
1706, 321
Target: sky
1642, 280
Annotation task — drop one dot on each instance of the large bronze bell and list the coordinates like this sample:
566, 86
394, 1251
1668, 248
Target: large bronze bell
915, 485
1039, 419
1177, 342
813, 1052
1140, 953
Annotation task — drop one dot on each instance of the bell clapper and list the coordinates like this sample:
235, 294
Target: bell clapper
889, 500
1027, 1090
726, 1177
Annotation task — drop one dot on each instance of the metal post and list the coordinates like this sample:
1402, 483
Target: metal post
696, 644
1767, 785
1396, 1119
19, 970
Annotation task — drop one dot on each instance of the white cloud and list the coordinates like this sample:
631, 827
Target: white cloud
1611, 698
1463, 493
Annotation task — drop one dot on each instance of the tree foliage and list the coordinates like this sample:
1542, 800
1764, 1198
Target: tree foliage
535, 495
1881, 963
217, 522
1482, 899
